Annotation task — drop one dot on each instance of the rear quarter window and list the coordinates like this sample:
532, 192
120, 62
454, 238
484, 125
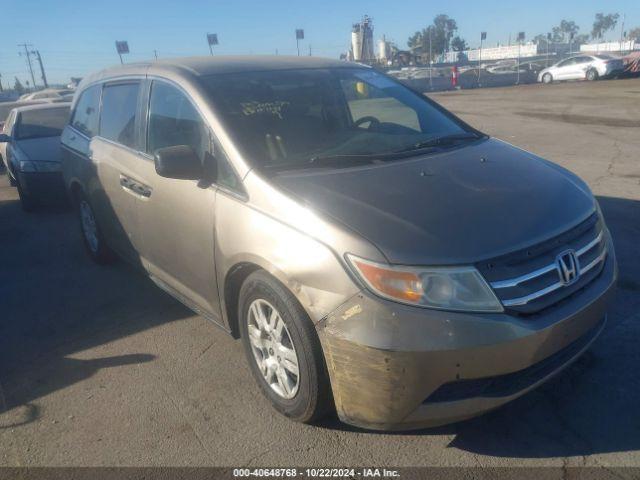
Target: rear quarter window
85, 115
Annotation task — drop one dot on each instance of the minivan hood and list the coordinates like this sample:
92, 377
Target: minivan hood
454, 207
46, 149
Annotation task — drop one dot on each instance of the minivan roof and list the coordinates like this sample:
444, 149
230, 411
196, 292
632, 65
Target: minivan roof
210, 65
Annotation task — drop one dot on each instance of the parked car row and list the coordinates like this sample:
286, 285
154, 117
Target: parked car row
30, 151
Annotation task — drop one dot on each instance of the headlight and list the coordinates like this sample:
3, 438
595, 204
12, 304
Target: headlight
445, 288
27, 166
48, 166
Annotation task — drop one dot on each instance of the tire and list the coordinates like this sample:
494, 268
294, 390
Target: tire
310, 398
547, 78
592, 75
27, 202
92, 236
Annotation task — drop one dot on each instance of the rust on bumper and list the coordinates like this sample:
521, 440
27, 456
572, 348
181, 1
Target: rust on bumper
385, 359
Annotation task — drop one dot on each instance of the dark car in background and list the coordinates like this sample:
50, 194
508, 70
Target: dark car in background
31, 138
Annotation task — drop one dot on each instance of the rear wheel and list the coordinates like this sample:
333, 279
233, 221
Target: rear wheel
282, 349
592, 74
91, 233
547, 78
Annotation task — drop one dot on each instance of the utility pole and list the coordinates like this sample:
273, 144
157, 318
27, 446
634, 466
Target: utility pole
624, 17
44, 77
28, 53
155, 53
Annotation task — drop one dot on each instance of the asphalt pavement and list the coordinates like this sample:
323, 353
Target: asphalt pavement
100, 367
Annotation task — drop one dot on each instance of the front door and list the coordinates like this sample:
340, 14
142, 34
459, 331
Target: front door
177, 216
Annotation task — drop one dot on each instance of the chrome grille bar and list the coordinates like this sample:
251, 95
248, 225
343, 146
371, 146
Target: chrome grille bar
548, 268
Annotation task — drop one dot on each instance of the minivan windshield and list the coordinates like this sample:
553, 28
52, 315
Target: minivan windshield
283, 119
46, 122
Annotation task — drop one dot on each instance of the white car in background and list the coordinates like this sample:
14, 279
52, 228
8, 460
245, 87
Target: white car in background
580, 67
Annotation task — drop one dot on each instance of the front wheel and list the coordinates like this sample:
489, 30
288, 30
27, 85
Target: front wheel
592, 74
282, 349
27, 202
547, 78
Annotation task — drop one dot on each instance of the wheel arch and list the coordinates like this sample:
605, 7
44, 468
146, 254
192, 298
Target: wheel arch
238, 273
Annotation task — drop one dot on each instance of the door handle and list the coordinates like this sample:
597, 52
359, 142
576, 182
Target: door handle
135, 187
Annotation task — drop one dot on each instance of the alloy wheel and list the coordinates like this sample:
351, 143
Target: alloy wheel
89, 227
273, 348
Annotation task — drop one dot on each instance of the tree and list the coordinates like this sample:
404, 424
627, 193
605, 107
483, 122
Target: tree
562, 33
603, 23
541, 40
459, 44
634, 33
435, 38
17, 86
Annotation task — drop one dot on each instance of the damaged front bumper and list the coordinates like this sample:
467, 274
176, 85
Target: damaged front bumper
399, 367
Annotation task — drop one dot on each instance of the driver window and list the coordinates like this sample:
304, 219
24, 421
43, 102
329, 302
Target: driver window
173, 120
368, 101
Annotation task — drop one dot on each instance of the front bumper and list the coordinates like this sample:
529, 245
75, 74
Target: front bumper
399, 367
43, 185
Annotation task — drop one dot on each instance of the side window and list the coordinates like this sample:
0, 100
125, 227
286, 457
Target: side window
173, 120
85, 115
118, 116
226, 175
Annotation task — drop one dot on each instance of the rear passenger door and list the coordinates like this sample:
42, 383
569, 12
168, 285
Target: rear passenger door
114, 155
177, 217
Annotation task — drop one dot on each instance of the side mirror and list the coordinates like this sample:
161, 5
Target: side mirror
180, 162
4, 138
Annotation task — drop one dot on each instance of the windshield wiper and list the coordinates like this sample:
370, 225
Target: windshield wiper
343, 159
440, 141
318, 161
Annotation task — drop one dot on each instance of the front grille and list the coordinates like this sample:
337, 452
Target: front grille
529, 280
511, 383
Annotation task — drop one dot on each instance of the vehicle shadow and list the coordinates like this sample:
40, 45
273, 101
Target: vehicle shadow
592, 406
55, 302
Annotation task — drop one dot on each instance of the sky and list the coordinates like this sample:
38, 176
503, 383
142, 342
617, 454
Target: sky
77, 37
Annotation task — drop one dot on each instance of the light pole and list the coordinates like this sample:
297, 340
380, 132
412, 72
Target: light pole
299, 36
548, 41
212, 39
520, 39
430, 63
122, 47
483, 36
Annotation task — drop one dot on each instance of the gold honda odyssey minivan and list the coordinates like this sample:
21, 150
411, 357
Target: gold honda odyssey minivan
376, 255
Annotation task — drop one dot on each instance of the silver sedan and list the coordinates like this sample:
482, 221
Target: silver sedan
589, 67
